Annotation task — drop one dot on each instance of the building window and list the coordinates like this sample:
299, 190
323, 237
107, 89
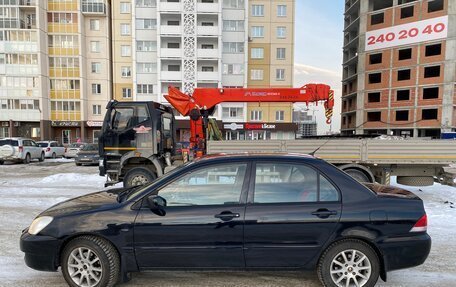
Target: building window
125, 29
377, 18
280, 116
256, 75
144, 89
403, 95
233, 69
146, 24
173, 68
96, 109
280, 74
96, 67
373, 97
95, 46
403, 75
125, 7
257, 31
125, 50
207, 46
146, 3
281, 52
146, 68
233, 25
281, 10
433, 50
256, 115
430, 93
4, 132
432, 72
435, 5
172, 45
257, 53
146, 46
94, 24
429, 114
375, 78
232, 112
375, 58
281, 32
258, 10
374, 116
207, 69
402, 116
407, 12
125, 72
233, 47
234, 4
126, 93
96, 89
405, 54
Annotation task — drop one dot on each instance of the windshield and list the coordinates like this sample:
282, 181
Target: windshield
145, 187
8, 142
90, 147
42, 144
77, 145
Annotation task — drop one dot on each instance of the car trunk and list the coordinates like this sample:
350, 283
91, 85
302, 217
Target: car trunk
391, 191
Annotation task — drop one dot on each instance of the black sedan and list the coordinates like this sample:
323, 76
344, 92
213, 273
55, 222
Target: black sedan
246, 211
88, 155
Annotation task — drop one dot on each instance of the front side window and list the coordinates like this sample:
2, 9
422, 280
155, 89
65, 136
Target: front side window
213, 185
121, 118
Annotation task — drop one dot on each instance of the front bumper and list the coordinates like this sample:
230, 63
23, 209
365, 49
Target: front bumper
87, 160
405, 252
41, 252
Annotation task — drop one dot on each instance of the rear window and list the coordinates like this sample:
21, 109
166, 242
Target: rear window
90, 147
42, 144
8, 142
77, 145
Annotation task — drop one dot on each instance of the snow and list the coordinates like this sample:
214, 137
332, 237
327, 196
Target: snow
26, 190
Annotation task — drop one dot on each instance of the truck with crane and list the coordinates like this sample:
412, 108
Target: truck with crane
138, 139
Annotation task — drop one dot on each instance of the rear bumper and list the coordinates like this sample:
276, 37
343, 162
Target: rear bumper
41, 252
10, 158
405, 252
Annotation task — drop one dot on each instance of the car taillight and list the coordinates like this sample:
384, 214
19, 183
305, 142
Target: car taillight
420, 225
21, 149
48, 149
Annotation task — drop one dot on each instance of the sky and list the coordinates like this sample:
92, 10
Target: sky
318, 52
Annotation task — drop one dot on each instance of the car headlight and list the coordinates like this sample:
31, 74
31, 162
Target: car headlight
39, 224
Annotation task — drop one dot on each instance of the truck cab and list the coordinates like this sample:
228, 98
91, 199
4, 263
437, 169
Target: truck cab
136, 142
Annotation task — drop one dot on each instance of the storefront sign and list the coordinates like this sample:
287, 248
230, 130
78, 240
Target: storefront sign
94, 124
65, 124
406, 34
233, 126
260, 127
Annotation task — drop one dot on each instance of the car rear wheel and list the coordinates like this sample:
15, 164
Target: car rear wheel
90, 261
1, 162
54, 155
138, 176
27, 159
349, 263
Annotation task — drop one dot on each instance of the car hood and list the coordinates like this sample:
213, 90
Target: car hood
390, 191
90, 202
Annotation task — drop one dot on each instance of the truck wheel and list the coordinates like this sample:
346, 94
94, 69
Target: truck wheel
349, 262
357, 174
90, 261
41, 159
415, 180
27, 159
138, 176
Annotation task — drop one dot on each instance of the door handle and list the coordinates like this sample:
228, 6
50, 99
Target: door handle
324, 213
227, 216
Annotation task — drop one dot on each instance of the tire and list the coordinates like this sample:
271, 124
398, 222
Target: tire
358, 175
416, 180
75, 258
78, 164
138, 176
54, 155
27, 159
370, 266
41, 159
1, 162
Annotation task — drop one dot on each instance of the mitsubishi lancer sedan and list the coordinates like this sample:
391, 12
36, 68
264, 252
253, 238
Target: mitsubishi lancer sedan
245, 211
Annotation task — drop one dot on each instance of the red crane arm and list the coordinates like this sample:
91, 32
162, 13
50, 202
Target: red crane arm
207, 98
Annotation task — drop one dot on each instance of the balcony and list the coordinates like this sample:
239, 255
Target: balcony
170, 30
170, 6
93, 8
57, 5
62, 28
208, 53
171, 53
208, 30
208, 76
171, 76
207, 7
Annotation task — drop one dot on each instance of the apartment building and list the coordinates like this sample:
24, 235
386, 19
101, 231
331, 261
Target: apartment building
399, 67
307, 123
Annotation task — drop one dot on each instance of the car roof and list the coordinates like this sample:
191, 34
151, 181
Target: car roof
257, 155
16, 138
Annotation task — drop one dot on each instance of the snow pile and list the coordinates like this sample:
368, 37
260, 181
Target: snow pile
73, 178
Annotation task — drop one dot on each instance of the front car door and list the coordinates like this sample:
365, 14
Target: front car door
202, 225
292, 211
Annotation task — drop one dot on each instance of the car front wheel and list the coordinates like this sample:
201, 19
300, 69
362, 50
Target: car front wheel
349, 263
41, 159
90, 261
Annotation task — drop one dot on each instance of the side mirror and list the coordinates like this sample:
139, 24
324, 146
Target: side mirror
157, 204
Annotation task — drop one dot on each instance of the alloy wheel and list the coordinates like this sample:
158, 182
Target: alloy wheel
84, 267
350, 268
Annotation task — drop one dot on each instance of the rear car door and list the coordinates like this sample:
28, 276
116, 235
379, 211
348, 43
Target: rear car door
292, 211
36, 150
202, 224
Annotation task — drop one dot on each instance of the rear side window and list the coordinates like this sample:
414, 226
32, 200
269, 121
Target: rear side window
9, 142
43, 144
288, 183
